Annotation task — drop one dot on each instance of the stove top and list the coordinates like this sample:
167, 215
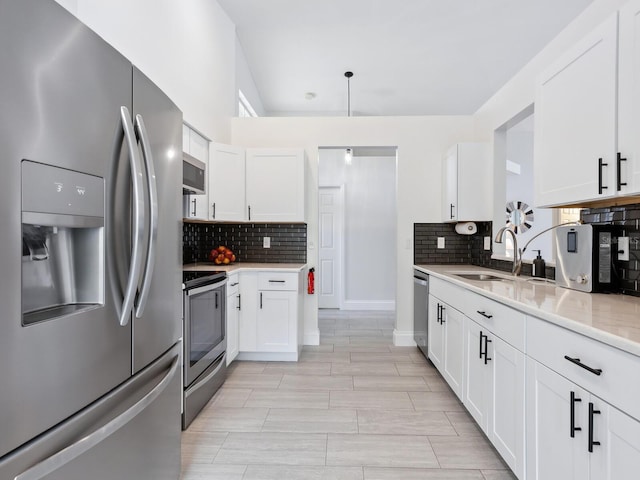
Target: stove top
199, 279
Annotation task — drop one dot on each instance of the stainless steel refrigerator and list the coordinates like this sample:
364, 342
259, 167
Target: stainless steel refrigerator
90, 260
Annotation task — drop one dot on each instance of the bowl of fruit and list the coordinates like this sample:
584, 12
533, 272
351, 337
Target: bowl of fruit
222, 256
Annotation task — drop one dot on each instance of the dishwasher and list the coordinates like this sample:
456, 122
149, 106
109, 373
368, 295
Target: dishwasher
420, 309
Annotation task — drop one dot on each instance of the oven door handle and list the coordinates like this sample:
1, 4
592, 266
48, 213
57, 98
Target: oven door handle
205, 288
222, 362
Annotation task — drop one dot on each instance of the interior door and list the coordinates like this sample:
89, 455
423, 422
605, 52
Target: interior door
159, 327
331, 203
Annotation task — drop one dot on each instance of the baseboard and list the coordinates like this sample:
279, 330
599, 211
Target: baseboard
312, 338
268, 356
381, 305
403, 339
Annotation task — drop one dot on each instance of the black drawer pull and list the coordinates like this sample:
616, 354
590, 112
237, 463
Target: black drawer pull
573, 400
234, 284
484, 314
592, 412
277, 281
595, 371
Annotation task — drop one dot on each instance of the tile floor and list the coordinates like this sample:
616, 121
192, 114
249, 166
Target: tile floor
353, 408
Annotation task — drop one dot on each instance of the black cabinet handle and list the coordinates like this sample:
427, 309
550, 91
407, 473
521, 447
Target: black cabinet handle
442, 309
600, 186
572, 401
481, 335
277, 281
595, 371
486, 349
619, 182
484, 314
439, 314
194, 207
249, 208
234, 284
213, 205
260, 299
592, 412
239, 300
451, 210
216, 300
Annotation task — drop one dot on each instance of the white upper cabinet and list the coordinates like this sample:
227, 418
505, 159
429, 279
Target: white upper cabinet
467, 183
629, 98
227, 183
195, 206
275, 185
588, 115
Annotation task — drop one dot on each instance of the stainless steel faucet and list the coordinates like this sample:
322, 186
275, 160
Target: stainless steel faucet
517, 254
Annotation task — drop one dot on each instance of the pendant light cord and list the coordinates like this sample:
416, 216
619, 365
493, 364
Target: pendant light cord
348, 75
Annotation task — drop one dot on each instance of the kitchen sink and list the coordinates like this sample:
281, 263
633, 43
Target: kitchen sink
483, 277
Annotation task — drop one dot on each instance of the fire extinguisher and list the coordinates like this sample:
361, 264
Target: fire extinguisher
311, 281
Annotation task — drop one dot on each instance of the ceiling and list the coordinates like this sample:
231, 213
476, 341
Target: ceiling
409, 57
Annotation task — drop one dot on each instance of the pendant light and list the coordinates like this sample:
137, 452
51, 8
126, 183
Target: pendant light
348, 154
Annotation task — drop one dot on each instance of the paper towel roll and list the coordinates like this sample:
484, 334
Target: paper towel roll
466, 228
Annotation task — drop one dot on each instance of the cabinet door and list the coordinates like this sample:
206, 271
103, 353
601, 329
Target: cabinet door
629, 98
618, 455
453, 371
198, 147
233, 317
248, 312
226, 183
450, 182
477, 392
275, 183
276, 323
551, 451
576, 116
435, 336
506, 427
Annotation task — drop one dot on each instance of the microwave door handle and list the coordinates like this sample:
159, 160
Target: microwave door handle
137, 220
153, 214
73, 451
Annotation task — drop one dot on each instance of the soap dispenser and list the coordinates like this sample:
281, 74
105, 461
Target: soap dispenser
538, 266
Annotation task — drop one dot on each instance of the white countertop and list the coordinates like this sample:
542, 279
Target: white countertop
610, 318
237, 267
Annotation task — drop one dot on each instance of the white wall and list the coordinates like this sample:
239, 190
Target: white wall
187, 48
244, 81
421, 142
370, 226
520, 187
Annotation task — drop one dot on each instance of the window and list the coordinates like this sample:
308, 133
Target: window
244, 107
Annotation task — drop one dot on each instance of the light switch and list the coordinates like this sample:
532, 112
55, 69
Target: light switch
266, 242
440, 242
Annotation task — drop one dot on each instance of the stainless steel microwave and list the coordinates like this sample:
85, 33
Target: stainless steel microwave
193, 175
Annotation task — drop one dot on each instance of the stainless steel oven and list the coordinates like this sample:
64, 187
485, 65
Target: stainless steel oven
204, 339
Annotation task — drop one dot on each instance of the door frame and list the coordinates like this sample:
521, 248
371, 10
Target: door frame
342, 244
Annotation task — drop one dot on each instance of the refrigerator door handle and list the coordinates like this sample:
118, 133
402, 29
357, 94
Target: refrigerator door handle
138, 213
73, 451
153, 214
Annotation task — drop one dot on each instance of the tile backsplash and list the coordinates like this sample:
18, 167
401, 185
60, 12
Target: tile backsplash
288, 241
469, 249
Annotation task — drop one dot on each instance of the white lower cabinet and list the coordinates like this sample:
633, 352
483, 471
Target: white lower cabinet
572, 434
270, 324
233, 317
494, 392
445, 342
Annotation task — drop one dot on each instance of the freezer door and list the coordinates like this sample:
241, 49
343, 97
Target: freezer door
61, 90
132, 433
158, 308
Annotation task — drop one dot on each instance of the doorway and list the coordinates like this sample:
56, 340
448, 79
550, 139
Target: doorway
357, 228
